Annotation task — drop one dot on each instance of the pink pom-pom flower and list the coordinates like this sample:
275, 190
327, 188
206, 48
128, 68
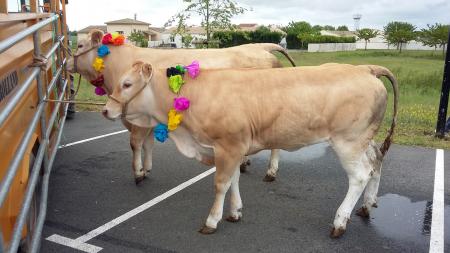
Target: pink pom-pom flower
99, 91
193, 69
181, 103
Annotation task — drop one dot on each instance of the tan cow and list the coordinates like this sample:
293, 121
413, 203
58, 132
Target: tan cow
121, 57
239, 112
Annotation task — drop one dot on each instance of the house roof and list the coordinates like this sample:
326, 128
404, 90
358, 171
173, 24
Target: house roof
91, 27
126, 21
157, 29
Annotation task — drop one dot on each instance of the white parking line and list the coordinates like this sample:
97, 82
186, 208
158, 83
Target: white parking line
437, 221
91, 139
80, 242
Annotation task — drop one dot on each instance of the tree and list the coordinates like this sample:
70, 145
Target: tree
215, 14
342, 28
366, 34
139, 38
317, 28
300, 27
329, 28
435, 35
399, 33
187, 39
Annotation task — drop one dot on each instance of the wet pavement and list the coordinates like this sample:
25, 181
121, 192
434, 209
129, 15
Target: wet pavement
92, 183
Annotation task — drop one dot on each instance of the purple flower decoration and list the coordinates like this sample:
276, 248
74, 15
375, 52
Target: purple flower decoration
181, 103
103, 50
99, 91
193, 69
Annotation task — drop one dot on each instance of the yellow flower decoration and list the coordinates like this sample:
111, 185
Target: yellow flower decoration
114, 35
98, 64
174, 119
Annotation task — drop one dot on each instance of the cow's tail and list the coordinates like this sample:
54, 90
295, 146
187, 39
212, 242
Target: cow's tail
270, 47
379, 71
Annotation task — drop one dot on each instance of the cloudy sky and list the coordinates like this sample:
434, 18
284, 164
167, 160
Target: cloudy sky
375, 13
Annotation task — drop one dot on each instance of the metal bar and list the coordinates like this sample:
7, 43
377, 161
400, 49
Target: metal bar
18, 95
35, 244
55, 78
14, 164
55, 111
75, 102
20, 222
11, 41
443, 104
26, 203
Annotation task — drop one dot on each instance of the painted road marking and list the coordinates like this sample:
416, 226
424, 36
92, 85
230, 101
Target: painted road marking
437, 221
80, 242
91, 139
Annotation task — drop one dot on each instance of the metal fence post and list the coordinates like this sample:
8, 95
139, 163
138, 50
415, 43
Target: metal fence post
42, 92
443, 104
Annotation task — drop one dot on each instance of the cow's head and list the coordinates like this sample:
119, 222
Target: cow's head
81, 61
132, 98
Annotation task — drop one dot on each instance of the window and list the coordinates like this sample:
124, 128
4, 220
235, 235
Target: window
119, 32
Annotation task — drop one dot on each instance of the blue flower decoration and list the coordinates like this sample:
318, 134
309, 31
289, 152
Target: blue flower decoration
161, 132
102, 51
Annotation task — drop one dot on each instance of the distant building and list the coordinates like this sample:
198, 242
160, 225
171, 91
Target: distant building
125, 26
83, 33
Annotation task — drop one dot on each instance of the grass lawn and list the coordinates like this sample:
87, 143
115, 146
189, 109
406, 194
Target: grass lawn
419, 74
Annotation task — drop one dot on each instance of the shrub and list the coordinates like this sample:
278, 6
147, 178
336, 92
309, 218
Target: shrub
235, 38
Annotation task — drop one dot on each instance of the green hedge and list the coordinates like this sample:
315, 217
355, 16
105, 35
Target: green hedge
301, 41
235, 38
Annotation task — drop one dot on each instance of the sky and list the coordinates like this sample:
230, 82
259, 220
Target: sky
375, 13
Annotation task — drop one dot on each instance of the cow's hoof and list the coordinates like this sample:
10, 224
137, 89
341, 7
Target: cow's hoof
363, 212
207, 230
139, 179
336, 233
268, 178
233, 219
243, 167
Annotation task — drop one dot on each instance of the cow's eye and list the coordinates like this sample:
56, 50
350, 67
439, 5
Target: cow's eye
80, 46
127, 85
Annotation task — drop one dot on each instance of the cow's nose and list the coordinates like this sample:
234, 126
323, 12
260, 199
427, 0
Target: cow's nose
105, 112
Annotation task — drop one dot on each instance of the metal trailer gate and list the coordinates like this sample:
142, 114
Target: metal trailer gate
44, 159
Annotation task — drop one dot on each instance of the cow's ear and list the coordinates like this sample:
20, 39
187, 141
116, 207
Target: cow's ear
137, 65
146, 71
96, 36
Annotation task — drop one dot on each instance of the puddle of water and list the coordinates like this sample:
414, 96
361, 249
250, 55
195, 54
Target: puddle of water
400, 219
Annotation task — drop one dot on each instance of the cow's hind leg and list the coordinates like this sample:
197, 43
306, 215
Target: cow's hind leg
359, 170
271, 173
370, 195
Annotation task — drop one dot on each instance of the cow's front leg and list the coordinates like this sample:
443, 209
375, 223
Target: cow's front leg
271, 173
226, 165
136, 141
148, 151
235, 199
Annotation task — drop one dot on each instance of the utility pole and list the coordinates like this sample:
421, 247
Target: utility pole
443, 104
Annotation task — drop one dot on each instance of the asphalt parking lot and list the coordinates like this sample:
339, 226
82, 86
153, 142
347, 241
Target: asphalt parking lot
92, 184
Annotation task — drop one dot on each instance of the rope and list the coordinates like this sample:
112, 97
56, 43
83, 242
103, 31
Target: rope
39, 61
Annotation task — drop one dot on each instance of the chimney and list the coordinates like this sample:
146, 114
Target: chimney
135, 16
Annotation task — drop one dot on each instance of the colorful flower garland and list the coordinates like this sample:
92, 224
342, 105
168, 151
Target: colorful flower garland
175, 75
115, 39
